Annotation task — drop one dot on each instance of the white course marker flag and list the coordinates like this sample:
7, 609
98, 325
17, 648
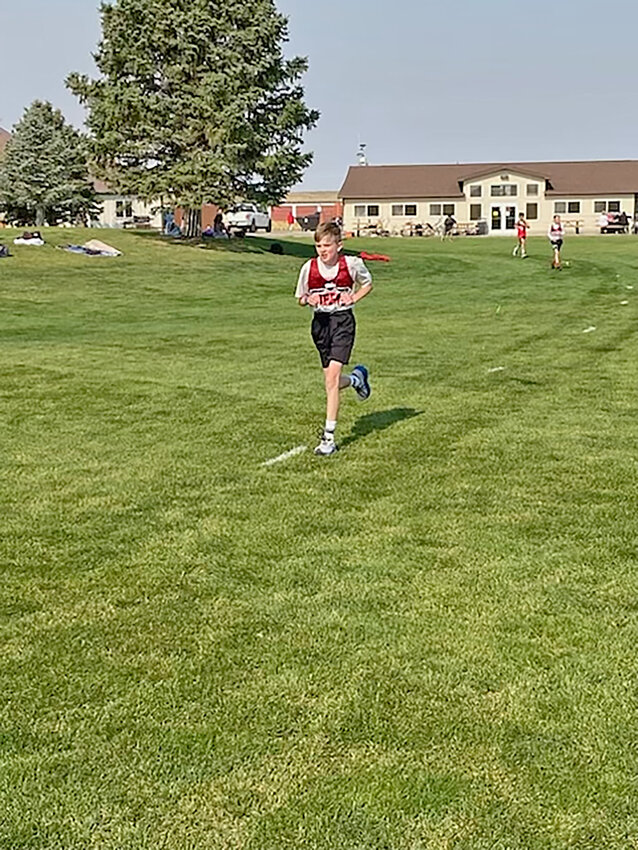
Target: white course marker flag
296, 451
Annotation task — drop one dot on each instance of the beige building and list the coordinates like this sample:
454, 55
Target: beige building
119, 210
488, 197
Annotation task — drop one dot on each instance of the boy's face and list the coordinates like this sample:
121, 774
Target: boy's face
328, 250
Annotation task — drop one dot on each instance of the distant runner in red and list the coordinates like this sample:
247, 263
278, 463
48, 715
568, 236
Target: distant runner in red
521, 235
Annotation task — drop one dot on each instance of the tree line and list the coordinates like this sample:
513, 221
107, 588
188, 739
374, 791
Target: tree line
195, 103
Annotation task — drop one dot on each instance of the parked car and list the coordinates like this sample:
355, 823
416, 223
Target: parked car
248, 217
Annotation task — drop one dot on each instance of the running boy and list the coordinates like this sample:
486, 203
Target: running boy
521, 235
332, 284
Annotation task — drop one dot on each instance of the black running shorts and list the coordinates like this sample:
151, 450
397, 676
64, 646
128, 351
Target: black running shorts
333, 334
557, 244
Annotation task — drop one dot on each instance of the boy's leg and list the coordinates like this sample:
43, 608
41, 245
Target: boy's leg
523, 249
334, 381
335, 352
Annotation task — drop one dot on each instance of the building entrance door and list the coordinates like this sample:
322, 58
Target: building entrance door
503, 218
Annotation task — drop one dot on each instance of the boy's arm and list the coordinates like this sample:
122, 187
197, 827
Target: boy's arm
363, 290
362, 280
301, 292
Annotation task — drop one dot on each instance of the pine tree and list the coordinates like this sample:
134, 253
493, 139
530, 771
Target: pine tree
44, 173
196, 102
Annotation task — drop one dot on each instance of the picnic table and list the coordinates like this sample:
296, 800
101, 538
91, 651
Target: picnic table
466, 228
138, 222
412, 228
615, 225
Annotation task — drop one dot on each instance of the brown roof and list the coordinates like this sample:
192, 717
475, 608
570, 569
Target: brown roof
311, 197
4, 138
595, 177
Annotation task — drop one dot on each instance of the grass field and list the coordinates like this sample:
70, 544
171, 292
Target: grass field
426, 641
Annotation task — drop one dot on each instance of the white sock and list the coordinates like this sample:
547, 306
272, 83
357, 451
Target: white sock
330, 427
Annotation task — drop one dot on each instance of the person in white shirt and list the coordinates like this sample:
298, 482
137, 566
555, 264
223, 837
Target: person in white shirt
332, 284
556, 234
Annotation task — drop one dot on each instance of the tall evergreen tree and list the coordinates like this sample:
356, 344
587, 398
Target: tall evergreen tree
196, 102
44, 171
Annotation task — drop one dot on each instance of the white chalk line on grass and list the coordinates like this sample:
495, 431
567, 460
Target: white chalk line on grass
296, 451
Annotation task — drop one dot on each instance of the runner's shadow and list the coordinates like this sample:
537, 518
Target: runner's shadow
378, 421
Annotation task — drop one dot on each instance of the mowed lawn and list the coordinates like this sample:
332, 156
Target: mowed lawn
428, 640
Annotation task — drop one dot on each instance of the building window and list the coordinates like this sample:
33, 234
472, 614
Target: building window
500, 190
561, 207
606, 206
123, 209
373, 209
532, 188
437, 209
475, 212
475, 191
359, 210
531, 211
403, 209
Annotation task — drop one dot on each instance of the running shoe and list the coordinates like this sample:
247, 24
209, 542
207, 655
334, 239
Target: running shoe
361, 383
327, 446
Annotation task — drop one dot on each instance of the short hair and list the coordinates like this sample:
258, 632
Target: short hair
328, 228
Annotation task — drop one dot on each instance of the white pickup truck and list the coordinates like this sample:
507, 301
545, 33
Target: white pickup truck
248, 217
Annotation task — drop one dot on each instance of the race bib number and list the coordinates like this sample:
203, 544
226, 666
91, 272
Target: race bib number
330, 296
329, 299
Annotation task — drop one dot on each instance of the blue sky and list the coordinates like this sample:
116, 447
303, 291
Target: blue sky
416, 80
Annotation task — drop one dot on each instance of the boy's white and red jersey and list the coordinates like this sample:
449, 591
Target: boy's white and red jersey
330, 282
556, 231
